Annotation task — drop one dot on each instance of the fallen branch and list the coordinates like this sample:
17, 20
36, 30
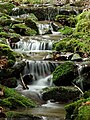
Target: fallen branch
78, 88
22, 82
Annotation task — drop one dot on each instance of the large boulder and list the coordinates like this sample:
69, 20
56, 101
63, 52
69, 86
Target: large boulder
28, 79
32, 24
60, 94
64, 74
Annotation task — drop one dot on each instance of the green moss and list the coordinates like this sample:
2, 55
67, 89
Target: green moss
5, 21
23, 29
64, 74
6, 51
21, 26
78, 42
83, 25
84, 15
60, 94
83, 113
30, 31
68, 20
33, 17
75, 110
66, 30
12, 99
6, 7
4, 34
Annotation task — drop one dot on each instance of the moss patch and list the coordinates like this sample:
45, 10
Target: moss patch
64, 74
14, 100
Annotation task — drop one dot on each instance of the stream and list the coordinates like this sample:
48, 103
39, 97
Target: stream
37, 48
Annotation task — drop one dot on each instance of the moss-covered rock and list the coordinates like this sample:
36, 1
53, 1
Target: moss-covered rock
32, 24
83, 25
67, 20
6, 51
75, 43
6, 7
22, 29
60, 94
14, 100
76, 57
64, 74
33, 17
9, 82
66, 30
83, 113
83, 22
78, 109
5, 21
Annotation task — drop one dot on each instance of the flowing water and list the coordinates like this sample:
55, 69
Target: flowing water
37, 47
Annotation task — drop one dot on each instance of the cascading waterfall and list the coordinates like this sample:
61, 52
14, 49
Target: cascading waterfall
30, 45
43, 28
39, 69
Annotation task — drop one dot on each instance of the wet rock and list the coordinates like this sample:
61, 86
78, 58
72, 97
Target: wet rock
83, 80
60, 94
18, 68
9, 82
28, 79
32, 24
64, 74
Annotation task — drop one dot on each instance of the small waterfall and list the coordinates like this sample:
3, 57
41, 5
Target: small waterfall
39, 69
33, 45
43, 28
80, 68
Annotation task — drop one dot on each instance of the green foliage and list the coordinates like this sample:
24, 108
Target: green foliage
60, 46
